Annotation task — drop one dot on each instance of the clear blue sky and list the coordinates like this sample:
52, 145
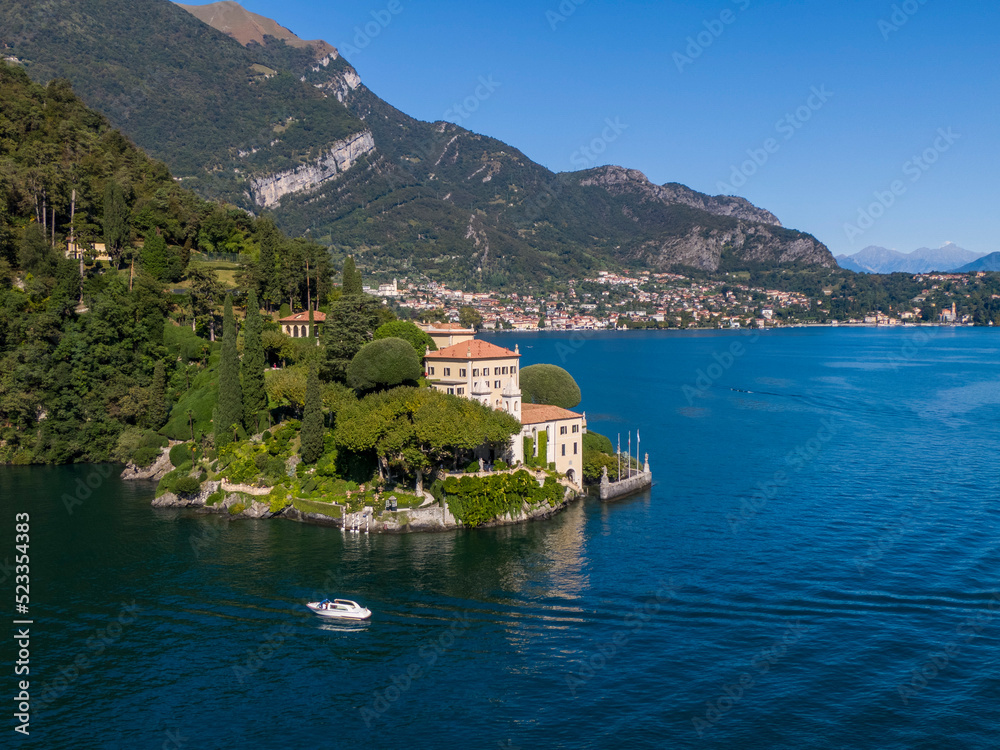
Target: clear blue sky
892, 90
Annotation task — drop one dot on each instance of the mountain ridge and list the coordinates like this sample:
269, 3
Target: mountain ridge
875, 259
432, 199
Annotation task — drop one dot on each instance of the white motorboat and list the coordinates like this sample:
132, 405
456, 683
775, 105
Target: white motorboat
340, 609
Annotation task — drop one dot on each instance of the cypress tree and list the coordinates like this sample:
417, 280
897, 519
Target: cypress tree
312, 420
116, 213
252, 366
351, 278
158, 397
229, 408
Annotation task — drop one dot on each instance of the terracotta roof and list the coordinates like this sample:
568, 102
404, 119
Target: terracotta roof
538, 413
474, 349
450, 327
303, 317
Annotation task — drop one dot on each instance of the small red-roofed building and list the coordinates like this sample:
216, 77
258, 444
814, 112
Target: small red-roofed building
297, 325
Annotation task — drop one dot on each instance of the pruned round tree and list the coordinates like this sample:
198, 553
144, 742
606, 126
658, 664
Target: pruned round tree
404, 329
383, 364
549, 384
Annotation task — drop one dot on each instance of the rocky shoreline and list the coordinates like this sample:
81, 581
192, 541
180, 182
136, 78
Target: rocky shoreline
428, 518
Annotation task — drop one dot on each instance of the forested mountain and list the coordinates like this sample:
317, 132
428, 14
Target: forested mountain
291, 127
81, 343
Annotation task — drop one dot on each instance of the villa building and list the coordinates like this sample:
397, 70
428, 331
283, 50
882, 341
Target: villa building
297, 325
480, 371
563, 430
490, 374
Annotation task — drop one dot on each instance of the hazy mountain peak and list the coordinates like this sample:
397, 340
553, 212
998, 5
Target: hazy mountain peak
875, 259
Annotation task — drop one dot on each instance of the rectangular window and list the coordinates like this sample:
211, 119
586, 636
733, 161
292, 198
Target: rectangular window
461, 373
461, 391
447, 371
451, 391
475, 373
576, 428
562, 430
496, 384
432, 371
505, 371
574, 449
496, 370
513, 370
564, 449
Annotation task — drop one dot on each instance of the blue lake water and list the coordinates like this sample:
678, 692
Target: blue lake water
816, 566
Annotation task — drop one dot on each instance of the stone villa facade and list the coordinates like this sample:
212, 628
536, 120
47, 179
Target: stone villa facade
491, 375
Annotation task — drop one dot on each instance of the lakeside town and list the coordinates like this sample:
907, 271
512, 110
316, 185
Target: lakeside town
670, 300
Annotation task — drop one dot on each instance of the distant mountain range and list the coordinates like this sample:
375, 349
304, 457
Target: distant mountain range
243, 110
989, 262
874, 259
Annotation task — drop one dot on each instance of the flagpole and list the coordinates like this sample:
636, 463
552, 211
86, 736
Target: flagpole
630, 453
619, 457
638, 450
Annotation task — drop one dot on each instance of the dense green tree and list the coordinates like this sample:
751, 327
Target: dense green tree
469, 317
350, 324
404, 329
252, 366
203, 299
116, 216
351, 284
269, 239
312, 420
158, 396
383, 364
229, 407
411, 429
549, 384
35, 254
155, 257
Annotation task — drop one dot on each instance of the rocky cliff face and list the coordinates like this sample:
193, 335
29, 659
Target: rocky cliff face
341, 84
621, 181
268, 191
745, 244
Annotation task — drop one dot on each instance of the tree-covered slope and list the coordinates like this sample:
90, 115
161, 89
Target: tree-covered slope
214, 110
